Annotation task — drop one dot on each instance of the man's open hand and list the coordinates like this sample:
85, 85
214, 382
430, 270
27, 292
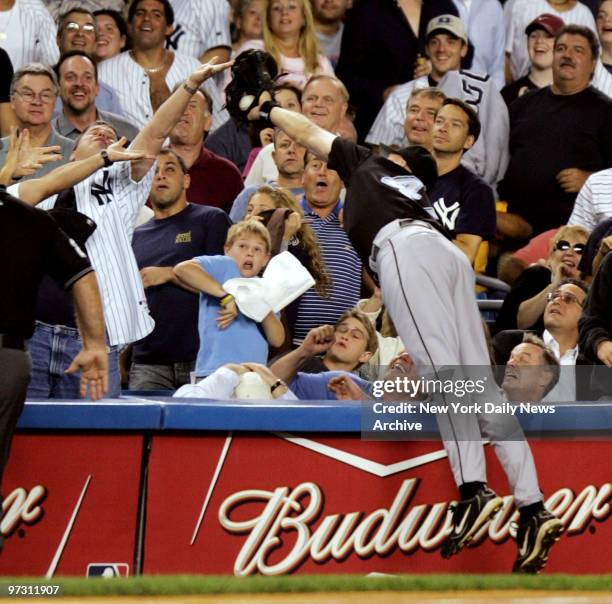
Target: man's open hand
93, 365
207, 70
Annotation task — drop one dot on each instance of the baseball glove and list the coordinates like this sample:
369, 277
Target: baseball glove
253, 72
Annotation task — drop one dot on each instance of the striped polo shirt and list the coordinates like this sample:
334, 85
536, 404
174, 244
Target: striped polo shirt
344, 268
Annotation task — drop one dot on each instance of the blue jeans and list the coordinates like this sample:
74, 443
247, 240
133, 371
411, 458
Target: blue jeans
52, 349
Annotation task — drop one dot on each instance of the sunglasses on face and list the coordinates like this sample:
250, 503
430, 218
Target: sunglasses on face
565, 297
563, 246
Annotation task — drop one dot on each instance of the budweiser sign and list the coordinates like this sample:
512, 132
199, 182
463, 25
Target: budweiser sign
21, 506
283, 527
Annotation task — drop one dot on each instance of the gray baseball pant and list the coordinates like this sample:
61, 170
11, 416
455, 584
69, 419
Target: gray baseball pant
427, 285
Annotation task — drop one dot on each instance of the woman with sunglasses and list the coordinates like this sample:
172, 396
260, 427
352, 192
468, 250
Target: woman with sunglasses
524, 305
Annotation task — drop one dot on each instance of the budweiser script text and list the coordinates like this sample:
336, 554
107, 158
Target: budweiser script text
284, 530
21, 506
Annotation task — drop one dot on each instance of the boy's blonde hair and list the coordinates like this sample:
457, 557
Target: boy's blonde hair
249, 227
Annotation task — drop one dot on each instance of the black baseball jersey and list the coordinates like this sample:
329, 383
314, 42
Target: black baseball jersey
378, 192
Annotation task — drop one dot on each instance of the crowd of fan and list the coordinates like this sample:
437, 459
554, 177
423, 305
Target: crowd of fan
512, 100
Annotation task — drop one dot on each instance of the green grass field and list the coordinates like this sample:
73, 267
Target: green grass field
192, 584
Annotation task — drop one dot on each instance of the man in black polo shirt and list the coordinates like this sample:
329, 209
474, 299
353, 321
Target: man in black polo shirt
32, 246
427, 283
463, 201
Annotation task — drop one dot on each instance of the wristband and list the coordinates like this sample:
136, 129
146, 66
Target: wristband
189, 89
226, 300
107, 160
265, 110
277, 384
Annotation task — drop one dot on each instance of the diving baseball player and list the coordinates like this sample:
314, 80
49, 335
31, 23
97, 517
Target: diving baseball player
428, 287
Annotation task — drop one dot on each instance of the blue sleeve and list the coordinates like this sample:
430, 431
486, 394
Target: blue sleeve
239, 207
108, 100
311, 387
220, 268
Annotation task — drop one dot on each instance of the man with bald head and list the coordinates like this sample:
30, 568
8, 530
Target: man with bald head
325, 102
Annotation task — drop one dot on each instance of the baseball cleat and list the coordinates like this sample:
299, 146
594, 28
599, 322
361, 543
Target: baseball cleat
469, 516
535, 536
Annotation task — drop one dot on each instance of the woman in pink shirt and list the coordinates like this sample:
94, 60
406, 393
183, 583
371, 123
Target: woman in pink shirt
289, 36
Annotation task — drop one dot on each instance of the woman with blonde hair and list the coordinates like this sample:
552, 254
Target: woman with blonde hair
298, 237
289, 36
524, 305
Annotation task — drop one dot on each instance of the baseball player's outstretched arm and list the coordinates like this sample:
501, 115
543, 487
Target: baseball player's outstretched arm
298, 127
152, 136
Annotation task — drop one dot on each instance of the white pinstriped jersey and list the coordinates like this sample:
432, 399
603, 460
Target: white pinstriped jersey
489, 156
518, 14
131, 83
61, 7
602, 79
113, 200
28, 33
594, 201
199, 25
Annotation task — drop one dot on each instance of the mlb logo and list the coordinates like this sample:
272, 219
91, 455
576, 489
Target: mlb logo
107, 570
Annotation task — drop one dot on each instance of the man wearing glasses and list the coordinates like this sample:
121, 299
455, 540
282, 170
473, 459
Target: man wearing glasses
77, 31
33, 94
563, 309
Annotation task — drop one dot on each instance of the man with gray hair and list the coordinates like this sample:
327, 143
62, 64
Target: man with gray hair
33, 93
524, 379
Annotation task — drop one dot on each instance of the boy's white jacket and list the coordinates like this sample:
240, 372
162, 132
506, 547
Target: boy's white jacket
284, 280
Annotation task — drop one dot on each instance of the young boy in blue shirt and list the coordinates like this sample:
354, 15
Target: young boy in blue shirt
226, 336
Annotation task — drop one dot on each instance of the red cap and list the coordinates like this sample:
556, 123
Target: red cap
549, 23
